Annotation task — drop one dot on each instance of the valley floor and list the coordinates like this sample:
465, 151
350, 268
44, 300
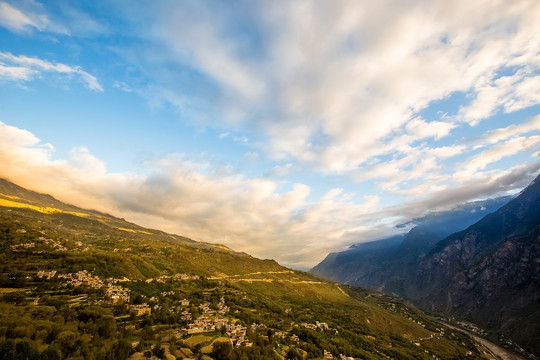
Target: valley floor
495, 350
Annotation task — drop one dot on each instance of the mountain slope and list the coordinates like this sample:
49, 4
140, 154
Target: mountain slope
389, 264
83, 285
490, 272
345, 266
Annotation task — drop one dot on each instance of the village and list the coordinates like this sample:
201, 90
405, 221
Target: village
210, 319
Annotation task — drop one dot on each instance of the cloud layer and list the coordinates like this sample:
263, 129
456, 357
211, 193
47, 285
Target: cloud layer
335, 83
248, 214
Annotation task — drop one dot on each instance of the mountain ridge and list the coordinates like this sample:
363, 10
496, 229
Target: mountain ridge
486, 273
403, 249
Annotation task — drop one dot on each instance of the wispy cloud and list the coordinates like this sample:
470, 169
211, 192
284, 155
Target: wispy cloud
23, 68
27, 16
122, 86
338, 84
497, 135
509, 93
471, 168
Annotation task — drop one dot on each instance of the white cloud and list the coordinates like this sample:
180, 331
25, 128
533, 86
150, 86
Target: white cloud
422, 129
15, 73
122, 86
511, 93
497, 135
23, 68
491, 185
15, 20
27, 16
190, 198
193, 198
471, 168
338, 84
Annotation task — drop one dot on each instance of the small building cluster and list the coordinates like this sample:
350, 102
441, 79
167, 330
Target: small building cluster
46, 274
82, 278
142, 309
201, 324
185, 277
25, 246
318, 325
117, 293
221, 307
237, 334
164, 278
321, 325
54, 244
186, 315
122, 250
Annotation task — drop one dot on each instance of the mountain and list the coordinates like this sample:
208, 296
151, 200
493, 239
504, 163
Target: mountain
488, 272
388, 264
79, 284
357, 262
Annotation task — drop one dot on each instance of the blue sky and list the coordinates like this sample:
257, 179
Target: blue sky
285, 129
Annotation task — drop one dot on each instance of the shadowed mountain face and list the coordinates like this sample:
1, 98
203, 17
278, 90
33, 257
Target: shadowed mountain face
487, 272
490, 272
388, 263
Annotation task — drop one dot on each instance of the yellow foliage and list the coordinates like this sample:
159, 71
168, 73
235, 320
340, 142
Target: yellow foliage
41, 209
129, 230
10, 196
135, 231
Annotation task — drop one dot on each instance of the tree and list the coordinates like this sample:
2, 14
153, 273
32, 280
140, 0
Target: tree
51, 353
66, 340
222, 350
294, 354
158, 351
120, 350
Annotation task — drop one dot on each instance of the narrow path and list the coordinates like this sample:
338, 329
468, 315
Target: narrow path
224, 276
344, 293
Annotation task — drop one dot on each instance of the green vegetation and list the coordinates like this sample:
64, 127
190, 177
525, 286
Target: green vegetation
82, 287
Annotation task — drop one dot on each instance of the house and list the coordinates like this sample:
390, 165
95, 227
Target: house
186, 315
142, 309
46, 274
321, 325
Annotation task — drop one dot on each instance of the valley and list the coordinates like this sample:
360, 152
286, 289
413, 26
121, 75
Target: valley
82, 287
478, 263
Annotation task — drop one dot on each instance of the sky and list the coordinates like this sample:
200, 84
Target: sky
284, 129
